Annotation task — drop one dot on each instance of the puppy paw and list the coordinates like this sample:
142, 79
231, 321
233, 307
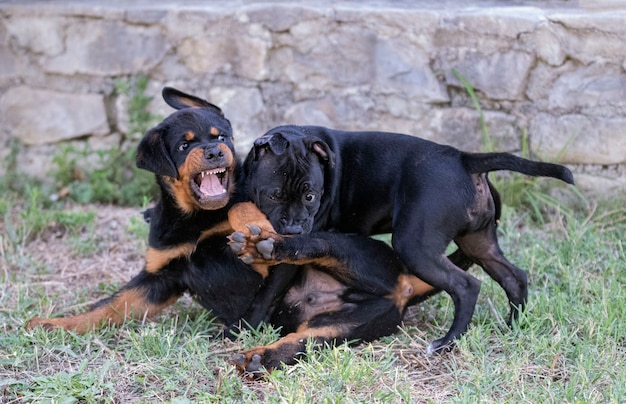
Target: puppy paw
45, 323
440, 347
254, 246
248, 364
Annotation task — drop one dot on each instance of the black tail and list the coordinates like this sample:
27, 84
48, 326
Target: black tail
486, 162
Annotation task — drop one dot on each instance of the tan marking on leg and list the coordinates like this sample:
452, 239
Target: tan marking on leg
288, 348
263, 270
408, 287
125, 305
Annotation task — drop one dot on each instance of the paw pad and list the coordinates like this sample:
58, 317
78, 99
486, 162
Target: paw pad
254, 229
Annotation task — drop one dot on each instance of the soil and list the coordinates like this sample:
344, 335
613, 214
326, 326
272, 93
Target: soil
96, 258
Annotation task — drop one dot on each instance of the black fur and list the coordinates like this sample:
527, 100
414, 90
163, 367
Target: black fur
426, 194
188, 249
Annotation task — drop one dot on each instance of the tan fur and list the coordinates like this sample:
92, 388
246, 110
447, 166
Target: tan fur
292, 344
157, 259
246, 213
408, 287
125, 305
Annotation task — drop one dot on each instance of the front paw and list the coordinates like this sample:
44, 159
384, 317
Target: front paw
253, 246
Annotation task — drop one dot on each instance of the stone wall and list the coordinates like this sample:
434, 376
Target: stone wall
554, 71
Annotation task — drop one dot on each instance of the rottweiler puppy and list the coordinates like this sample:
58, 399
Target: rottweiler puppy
192, 156
308, 178
348, 288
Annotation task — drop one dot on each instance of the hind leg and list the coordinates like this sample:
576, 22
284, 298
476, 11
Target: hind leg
256, 361
143, 297
482, 247
424, 257
360, 317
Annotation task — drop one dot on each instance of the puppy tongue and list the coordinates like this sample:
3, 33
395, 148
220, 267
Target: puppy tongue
210, 185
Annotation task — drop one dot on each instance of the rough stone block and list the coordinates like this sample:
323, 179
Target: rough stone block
541, 80
500, 76
8, 64
607, 186
546, 43
38, 117
555, 69
401, 68
38, 34
107, 48
461, 128
323, 57
212, 52
283, 16
508, 22
589, 87
588, 38
579, 139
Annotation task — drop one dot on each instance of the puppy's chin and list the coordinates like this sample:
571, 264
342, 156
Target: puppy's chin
291, 229
213, 203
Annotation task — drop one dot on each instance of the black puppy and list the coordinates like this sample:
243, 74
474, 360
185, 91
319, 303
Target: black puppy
426, 194
191, 153
347, 288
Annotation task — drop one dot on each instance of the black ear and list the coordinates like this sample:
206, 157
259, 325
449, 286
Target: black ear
275, 142
179, 100
323, 151
152, 155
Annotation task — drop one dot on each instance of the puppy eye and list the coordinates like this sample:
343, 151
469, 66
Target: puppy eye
183, 146
309, 197
221, 137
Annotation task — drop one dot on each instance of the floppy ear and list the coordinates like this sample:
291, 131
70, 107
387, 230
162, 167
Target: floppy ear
275, 142
179, 100
323, 151
152, 155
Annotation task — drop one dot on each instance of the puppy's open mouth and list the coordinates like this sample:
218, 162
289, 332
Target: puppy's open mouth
210, 184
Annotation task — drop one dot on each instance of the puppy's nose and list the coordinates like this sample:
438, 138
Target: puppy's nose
213, 153
293, 229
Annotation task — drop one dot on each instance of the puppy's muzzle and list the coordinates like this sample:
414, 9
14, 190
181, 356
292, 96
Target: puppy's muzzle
214, 154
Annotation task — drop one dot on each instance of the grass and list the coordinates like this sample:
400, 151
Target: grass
57, 257
567, 347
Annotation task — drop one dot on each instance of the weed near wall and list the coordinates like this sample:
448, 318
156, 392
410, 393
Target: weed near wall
110, 175
104, 176
517, 190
